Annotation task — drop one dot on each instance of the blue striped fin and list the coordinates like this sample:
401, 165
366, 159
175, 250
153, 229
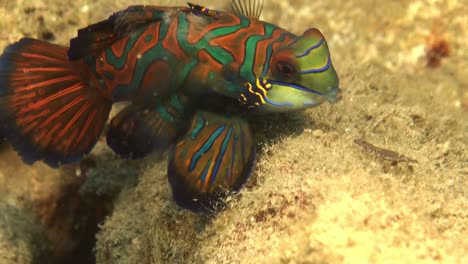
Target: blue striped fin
214, 158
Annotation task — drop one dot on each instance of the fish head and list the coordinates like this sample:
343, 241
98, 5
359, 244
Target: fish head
301, 75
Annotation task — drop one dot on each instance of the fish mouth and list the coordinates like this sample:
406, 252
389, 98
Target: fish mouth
334, 95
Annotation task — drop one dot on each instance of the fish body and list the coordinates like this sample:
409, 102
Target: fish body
180, 53
192, 75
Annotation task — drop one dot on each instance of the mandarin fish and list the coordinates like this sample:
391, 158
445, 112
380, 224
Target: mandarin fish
193, 77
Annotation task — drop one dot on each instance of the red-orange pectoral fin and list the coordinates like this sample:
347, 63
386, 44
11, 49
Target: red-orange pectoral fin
48, 111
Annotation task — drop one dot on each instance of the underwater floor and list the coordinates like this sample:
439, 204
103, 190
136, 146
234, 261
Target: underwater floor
326, 188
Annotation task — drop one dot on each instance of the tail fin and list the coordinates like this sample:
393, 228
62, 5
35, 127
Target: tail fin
49, 109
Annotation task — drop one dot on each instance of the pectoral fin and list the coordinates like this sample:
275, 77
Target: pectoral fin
140, 129
214, 158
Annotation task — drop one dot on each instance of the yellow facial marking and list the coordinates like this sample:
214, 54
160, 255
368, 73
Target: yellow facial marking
255, 93
259, 86
244, 99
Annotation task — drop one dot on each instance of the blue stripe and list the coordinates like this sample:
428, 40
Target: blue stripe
293, 42
205, 171
233, 158
311, 49
269, 52
277, 104
295, 86
198, 126
324, 68
205, 148
221, 155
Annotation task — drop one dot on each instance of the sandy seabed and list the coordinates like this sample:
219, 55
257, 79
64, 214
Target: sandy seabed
316, 196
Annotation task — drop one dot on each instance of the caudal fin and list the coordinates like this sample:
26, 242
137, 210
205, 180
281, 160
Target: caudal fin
48, 109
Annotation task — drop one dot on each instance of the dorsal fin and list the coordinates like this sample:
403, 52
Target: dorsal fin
247, 8
94, 38
201, 10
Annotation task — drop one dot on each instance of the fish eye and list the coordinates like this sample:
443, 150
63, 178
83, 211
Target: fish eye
285, 69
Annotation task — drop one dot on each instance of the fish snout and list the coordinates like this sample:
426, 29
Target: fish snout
334, 95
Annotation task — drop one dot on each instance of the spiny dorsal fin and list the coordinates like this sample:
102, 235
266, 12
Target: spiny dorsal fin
247, 8
201, 10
